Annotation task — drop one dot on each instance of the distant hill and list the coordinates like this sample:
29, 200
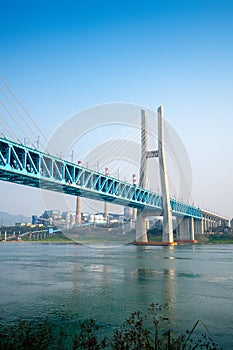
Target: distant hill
7, 219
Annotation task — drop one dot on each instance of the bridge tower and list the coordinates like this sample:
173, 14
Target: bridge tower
167, 212
141, 231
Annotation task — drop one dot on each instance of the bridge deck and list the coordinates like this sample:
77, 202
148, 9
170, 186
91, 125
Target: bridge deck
26, 166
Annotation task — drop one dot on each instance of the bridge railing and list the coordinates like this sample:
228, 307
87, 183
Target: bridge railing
27, 166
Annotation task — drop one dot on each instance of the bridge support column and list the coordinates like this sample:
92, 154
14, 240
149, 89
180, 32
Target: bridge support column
204, 224
185, 230
191, 229
208, 224
141, 230
198, 227
177, 229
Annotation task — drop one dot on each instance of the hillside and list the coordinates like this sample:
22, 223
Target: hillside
7, 219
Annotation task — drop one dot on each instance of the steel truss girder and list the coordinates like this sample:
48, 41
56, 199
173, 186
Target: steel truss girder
23, 165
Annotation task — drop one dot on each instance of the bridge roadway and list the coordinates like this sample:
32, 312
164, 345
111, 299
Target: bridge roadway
30, 167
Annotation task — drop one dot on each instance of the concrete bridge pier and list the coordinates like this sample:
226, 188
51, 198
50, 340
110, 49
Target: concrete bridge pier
198, 227
185, 229
212, 220
205, 228
141, 230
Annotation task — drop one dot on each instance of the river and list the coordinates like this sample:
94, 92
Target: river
69, 282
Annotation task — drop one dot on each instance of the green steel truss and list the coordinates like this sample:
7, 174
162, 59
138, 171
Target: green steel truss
27, 166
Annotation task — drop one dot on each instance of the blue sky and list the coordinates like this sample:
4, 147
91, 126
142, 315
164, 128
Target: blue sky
60, 57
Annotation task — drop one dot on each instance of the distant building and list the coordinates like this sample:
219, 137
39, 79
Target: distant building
39, 220
67, 219
85, 217
54, 217
97, 218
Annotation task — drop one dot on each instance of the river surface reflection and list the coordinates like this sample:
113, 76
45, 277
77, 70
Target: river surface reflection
72, 282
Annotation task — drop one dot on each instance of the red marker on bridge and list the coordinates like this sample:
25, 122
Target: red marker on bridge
134, 180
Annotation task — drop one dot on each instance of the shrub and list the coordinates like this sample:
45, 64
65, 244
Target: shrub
140, 331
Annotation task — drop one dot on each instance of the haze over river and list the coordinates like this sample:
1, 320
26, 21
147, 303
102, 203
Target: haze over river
69, 282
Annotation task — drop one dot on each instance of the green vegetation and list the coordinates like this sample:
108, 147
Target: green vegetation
108, 235
215, 238
56, 237
140, 331
220, 238
104, 236
155, 235
19, 229
85, 236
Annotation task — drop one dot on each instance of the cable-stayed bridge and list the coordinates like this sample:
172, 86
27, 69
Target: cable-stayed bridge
28, 166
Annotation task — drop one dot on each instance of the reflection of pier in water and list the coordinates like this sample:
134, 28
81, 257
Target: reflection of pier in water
162, 278
106, 283
100, 275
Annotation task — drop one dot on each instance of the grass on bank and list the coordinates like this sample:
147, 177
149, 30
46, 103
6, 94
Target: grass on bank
223, 238
57, 237
118, 236
94, 236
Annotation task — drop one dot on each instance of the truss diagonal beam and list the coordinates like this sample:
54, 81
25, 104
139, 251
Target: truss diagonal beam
26, 166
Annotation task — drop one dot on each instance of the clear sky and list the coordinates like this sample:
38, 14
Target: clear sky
60, 57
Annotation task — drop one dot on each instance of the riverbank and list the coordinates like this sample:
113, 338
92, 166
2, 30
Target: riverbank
215, 239
99, 236
85, 236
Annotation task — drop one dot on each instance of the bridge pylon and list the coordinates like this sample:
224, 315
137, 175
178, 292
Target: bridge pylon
141, 230
167, 212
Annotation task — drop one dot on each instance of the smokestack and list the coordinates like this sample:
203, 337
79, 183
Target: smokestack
105, 203
78, 218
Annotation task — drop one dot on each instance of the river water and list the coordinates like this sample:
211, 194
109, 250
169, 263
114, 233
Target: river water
69, 282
